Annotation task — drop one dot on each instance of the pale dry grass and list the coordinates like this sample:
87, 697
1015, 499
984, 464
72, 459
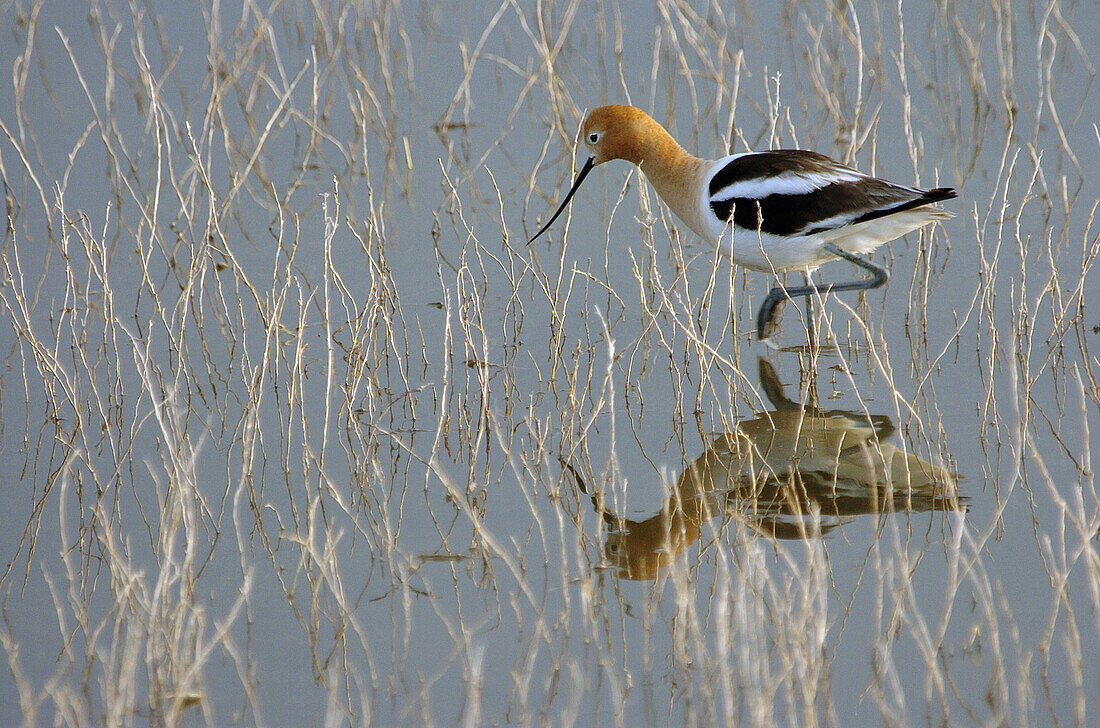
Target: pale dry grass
297, 367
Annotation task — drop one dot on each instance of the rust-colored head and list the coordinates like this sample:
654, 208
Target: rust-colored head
620, 132
615, 132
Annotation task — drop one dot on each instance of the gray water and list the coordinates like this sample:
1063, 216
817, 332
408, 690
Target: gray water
298, 430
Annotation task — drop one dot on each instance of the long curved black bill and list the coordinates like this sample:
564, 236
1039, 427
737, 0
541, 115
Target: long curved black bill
572, 191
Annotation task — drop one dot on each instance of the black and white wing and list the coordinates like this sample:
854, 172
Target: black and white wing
794, 192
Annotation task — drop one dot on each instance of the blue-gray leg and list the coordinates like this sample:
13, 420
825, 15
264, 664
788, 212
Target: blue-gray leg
766, 323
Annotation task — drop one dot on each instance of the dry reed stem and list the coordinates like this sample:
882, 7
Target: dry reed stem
245, 391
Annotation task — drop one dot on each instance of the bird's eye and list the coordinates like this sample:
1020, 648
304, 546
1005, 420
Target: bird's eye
593, 137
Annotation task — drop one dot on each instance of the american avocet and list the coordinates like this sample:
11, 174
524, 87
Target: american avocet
781, 210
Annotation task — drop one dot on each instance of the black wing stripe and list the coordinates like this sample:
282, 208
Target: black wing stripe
928, 198
799, 214
761, 165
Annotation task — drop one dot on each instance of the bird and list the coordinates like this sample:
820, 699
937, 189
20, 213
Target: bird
776, 211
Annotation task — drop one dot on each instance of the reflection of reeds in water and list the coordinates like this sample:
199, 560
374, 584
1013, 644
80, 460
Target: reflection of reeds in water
234, 415
794, 472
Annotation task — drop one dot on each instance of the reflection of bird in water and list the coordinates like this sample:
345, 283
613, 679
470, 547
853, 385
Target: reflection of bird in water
794, 472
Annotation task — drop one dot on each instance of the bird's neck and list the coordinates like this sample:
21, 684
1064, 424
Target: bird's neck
676, 175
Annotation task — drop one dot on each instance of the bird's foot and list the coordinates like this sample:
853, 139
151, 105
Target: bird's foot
768, 317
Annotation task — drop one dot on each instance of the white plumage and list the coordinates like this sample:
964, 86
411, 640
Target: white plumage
780, 210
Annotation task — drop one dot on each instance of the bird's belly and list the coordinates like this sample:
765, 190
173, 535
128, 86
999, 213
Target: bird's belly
762, 251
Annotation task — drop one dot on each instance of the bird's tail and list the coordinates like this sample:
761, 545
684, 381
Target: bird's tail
939, 194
